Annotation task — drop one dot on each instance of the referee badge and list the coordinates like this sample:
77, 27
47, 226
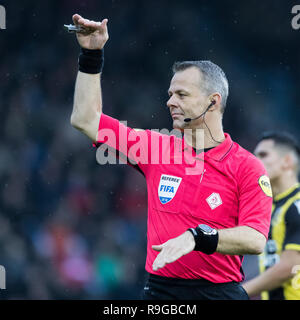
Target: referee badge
214, 200
264, 183
168, 186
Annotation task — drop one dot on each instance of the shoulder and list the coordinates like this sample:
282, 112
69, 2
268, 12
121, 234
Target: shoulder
246, 161
250, 171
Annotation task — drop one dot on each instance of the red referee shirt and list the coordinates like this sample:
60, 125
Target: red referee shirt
229, 188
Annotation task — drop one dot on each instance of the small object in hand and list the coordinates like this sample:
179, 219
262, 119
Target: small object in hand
72, 28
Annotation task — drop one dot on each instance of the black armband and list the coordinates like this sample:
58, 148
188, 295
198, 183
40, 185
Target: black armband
206, 238
91, 61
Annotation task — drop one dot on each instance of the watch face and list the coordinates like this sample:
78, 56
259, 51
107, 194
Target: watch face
207, 229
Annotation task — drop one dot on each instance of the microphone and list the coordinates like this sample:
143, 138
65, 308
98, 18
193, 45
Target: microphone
203, 113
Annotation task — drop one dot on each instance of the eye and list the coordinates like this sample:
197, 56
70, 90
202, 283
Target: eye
262, 154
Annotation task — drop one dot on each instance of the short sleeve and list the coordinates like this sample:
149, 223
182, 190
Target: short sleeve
292, 222
255, 196
130, 146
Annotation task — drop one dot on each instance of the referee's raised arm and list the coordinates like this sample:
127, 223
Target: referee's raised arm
87, 106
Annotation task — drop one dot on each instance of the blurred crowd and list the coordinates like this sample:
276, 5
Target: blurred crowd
70, 228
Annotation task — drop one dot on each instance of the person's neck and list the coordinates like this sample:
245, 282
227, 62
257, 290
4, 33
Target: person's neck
283, 183
202, 138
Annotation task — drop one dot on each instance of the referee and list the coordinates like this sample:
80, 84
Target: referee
205, 212
279, 264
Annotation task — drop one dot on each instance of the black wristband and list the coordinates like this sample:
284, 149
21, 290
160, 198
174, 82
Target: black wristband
91, 61
206, 238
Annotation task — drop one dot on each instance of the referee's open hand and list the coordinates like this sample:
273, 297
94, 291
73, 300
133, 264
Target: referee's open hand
94, 34
173, 249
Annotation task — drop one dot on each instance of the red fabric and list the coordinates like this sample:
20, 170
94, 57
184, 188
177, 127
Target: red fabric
221, 190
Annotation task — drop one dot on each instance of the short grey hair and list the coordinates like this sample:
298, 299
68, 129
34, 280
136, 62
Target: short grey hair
214, 77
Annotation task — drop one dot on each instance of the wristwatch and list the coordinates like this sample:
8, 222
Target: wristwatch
206, 238
207, 230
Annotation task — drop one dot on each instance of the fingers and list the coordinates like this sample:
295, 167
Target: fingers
173, 249
75, 18
104, 23
90, 24
161, 260
167, 255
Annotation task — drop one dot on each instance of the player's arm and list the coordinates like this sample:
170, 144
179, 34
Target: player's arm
282, 271
87, 106
275, 276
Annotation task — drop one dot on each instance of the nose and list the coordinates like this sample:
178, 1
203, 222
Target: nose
171, 102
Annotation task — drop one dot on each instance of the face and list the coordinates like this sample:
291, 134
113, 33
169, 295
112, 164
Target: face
186, 98
271, 158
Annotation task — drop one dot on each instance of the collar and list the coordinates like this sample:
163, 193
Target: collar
287, 192
217, 153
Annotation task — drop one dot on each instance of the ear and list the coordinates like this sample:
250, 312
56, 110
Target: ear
288, 161
216, 99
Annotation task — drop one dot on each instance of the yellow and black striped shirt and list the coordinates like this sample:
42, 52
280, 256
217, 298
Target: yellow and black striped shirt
284, 234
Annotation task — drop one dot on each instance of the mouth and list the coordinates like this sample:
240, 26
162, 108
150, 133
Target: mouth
176, 115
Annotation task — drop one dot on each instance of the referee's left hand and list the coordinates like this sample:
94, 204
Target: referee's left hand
173, 249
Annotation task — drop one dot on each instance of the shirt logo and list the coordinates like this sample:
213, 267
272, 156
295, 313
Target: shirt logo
264, 183
214, 200
168, 187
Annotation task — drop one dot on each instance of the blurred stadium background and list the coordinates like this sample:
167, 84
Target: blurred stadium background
72, 229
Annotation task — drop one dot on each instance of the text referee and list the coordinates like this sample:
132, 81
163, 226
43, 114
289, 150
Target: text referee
201, 222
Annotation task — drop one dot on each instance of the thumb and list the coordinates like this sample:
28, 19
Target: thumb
104, 23
157, 247
76, 17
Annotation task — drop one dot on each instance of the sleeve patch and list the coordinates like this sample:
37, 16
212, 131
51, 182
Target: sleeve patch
265, 185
